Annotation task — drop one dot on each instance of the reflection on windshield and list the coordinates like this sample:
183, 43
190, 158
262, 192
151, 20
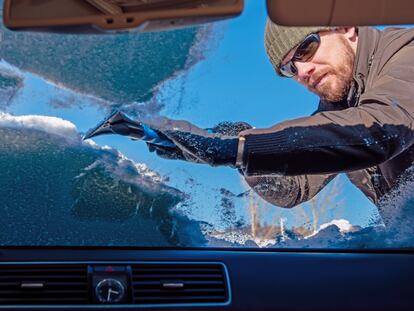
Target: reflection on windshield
60, 190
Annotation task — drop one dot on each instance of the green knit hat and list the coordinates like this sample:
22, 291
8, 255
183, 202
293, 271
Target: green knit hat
279, 40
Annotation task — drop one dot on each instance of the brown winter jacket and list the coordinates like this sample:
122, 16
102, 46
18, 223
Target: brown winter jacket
369, 135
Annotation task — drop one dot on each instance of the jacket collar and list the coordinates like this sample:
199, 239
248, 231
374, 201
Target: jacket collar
367, 45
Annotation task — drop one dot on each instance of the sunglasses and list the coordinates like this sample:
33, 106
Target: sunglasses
303, 53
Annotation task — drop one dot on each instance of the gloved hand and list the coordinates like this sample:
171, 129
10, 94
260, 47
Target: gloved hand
178, 139
212, 137
214, 146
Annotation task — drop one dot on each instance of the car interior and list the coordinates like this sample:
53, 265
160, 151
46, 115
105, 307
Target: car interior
117, 277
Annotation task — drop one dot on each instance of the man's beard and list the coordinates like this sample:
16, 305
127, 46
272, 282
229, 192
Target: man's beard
338, 84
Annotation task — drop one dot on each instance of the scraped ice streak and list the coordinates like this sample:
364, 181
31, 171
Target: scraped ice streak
59, 190
170, 94
11, 80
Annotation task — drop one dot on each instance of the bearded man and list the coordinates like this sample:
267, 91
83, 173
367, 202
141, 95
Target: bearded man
364, 78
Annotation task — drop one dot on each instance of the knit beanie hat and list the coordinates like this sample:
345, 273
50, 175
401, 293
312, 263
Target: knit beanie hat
279, 40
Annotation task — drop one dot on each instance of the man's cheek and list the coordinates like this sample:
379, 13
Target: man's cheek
332, 83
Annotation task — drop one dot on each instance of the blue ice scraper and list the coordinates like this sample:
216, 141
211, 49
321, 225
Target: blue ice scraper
118, 123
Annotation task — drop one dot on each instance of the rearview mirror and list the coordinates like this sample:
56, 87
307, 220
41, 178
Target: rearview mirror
77, 16
341, 12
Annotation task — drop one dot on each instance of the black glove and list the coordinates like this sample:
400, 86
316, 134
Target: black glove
178, 139
215, 146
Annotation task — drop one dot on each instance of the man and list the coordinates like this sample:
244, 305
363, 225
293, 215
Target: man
363, 126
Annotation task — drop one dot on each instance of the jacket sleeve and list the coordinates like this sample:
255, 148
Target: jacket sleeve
288, 191
378, 129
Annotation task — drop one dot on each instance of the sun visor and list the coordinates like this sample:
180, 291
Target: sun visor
341, 12
78, 16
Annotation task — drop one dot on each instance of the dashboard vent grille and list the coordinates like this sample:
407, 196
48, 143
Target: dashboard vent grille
179, 283
36, 284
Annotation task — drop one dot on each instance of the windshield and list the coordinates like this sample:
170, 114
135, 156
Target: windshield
110, 190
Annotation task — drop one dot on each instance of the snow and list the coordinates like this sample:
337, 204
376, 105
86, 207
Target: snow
343, 226
8, 69
53, 125
121, 167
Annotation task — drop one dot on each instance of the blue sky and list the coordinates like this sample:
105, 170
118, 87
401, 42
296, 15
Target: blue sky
234, 83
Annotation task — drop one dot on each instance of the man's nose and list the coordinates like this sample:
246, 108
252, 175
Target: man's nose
305, 71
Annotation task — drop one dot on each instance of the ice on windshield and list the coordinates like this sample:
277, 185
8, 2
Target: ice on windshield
59, 190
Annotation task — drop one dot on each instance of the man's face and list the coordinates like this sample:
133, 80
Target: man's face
328, 73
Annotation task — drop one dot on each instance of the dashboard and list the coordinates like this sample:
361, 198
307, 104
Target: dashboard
64, 278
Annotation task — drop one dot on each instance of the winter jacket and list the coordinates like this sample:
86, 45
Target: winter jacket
369, 135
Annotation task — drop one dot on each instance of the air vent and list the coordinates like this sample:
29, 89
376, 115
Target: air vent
36, 284
179, 283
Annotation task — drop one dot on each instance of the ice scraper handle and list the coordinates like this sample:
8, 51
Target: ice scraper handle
151, 137
142, 131
119, 123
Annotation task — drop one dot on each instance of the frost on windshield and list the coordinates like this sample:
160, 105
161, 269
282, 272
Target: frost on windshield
121, 69
109, 67
391, 229
10, 82
57, 190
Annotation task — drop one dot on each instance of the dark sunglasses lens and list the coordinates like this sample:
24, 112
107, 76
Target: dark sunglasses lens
288, 70
307, 49
303, 53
